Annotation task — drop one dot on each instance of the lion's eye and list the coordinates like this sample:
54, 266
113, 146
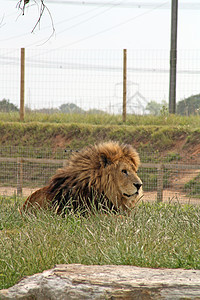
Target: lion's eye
125, 171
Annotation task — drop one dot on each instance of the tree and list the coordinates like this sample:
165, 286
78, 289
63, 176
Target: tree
6, 106
189, 106
155, 108
96, 111
70, 108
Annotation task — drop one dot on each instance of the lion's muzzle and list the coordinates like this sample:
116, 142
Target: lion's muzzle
138, 186
137, 192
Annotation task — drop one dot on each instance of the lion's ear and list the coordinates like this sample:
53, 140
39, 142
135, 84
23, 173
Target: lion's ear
105, 160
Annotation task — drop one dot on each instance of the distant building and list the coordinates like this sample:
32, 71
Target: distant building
135, 105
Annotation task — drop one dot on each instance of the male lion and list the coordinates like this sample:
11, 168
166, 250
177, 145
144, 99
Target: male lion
103, 175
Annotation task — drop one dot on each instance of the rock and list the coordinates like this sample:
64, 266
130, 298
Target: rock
66, 282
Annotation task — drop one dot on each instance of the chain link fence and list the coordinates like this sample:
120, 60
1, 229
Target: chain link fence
91, 81
24, 170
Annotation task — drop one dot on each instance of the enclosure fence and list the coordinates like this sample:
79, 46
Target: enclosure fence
25, 170
94, 81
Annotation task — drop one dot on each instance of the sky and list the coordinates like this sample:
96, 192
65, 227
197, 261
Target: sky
64, 61
99, 24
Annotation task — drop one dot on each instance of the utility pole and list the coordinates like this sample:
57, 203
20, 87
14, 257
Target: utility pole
22, 84
124, 84
173, 57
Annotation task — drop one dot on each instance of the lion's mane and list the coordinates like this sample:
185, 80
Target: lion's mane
90, 178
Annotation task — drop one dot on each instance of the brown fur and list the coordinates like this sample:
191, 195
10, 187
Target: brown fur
103, 175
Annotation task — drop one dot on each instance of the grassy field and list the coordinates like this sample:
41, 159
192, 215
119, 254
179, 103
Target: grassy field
146, 137
165, 138
104, 119
155, 235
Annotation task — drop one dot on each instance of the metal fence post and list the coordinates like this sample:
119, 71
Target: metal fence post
160, 183
124, 84
22, 85
173, 57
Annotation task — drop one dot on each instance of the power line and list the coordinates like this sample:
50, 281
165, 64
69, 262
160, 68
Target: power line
88, 19
47, 64
58, 23
131, 4
120, 4
113, 27
112, 4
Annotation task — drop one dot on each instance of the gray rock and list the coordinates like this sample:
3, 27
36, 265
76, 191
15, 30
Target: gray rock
67, 282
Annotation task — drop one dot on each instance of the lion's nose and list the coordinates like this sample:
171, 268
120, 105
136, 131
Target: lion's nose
137, 185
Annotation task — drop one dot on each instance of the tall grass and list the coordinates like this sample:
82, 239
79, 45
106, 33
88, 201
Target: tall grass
104, 119
156, 235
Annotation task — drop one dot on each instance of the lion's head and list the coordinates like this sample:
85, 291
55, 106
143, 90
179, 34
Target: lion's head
106, 171
118, 173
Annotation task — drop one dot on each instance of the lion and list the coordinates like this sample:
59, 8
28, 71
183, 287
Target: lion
103, 176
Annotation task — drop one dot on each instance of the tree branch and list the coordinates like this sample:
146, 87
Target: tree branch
22, 6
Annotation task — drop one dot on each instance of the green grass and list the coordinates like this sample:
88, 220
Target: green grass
104, 119
155, 138
149, 138
51, 132
192, 188
156, 235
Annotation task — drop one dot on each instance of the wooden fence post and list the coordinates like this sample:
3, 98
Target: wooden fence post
124, 84
160, 183
22, 85
19, 176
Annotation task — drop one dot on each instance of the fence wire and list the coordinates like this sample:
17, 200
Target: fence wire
92, 80
24, 170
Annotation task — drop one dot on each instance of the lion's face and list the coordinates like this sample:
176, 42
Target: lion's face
128, 183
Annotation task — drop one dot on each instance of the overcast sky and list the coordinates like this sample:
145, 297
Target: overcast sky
99, 24
92, 77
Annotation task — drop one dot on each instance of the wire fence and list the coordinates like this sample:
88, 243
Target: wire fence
24, 170
91, 81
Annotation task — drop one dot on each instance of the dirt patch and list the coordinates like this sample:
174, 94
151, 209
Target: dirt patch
171, 196
12, 191
184, 177
168, 195
59, 141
